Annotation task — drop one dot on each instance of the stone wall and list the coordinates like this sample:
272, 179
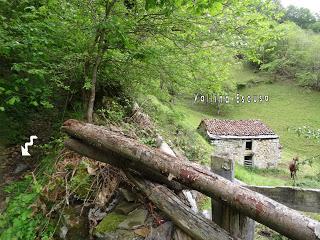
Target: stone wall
265, 152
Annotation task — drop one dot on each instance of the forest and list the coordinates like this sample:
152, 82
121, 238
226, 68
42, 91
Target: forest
102, 61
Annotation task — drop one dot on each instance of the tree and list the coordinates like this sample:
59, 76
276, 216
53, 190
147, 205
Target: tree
294, 55
301, 16
60, 52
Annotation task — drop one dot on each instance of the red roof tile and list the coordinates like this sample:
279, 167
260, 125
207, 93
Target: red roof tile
236, 127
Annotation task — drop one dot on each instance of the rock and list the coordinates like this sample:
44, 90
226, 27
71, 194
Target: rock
75, 225
125, 207
109, 224
135, 219
164, 147
191, 200
163, 232
63, 232
143, 232
128, 195
95, 214
20, 168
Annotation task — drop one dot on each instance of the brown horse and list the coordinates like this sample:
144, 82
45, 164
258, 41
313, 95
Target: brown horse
293, 167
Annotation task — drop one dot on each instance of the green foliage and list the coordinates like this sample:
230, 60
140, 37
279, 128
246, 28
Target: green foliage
301, 16
113, 111
294, 55
54, 51
266, 177
315, 27
307, 181
20, 220
80, 183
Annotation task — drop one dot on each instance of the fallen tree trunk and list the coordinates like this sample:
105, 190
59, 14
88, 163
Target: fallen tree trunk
195, 225
120, 162
278, 217
110, 158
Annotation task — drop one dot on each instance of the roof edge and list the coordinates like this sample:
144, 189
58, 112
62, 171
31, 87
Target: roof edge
217, 137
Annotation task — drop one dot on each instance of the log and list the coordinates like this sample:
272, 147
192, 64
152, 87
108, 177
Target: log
194, 224
301, 199
120, 162
278, 217
110, 158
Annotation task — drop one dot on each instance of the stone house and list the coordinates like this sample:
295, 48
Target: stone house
249, 142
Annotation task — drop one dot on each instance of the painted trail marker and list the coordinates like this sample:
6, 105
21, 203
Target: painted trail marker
25, 150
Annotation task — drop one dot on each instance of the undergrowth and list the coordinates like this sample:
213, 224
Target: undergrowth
22, 220
25, 214
171, 124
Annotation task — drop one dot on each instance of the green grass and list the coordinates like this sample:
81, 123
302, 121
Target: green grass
289, 106
260, 177
176, 128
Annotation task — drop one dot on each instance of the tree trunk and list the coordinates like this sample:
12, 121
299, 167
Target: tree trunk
195, 225
92, 96
276, 216
171, 205
123, 163
100, 41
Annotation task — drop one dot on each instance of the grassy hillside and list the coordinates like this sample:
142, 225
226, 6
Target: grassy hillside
289, 107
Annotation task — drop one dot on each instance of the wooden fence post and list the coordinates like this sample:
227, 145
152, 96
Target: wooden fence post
230, 219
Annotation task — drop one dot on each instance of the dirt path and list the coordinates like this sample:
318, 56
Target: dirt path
9, 162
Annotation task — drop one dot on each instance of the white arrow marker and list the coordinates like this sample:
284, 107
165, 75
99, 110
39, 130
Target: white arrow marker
24, 150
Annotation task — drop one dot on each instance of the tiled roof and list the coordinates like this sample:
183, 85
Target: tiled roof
239, 128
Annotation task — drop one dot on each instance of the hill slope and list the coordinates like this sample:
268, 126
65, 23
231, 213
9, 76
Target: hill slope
289, 107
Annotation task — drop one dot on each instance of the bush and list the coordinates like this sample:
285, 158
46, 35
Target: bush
21, 219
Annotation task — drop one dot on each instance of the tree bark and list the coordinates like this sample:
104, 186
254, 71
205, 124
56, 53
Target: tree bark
195, 225
276, 216
100, 40
92, 96
125, 164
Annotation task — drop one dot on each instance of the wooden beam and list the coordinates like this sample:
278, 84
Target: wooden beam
276, 216
305, 200
194, 224
230, 219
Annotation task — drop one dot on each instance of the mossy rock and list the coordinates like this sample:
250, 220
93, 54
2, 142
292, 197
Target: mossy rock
109, 223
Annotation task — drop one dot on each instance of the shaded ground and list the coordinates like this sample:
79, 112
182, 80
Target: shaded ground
12, 167
3, 171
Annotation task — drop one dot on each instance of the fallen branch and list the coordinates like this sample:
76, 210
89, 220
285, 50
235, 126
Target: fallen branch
195, 225
278, 217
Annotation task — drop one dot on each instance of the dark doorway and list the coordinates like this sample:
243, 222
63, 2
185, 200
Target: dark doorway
248, 162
